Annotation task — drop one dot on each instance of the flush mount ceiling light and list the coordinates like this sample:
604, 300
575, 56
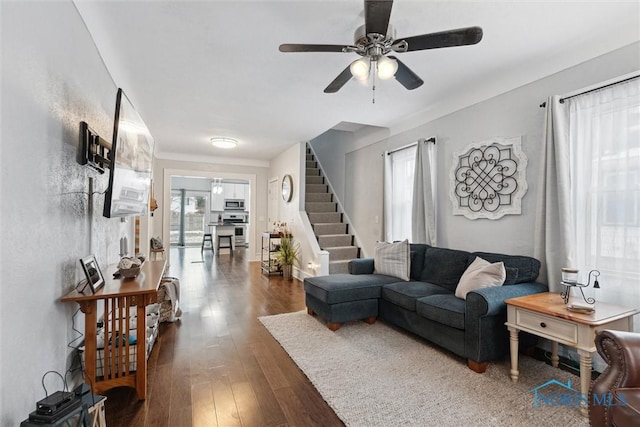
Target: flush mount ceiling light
223, 142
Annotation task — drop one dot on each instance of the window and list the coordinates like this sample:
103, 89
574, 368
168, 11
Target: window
189, 217
402, 164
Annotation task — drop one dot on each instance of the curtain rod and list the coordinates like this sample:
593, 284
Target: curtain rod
593, 89
404, 147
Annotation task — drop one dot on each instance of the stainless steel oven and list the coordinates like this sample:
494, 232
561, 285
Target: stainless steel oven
239, 219
241, 231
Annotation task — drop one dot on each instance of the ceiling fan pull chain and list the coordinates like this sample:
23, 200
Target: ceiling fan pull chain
373, 89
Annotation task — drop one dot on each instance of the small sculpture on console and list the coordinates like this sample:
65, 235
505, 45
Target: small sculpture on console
570, 281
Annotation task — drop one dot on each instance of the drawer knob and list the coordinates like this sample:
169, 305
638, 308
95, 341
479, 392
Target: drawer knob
543, 325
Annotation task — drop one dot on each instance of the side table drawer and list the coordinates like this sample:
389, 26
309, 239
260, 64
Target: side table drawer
547, 325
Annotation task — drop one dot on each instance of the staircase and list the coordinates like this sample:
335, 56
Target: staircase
328, 224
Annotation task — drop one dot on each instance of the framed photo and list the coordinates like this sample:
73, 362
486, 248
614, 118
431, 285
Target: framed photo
95, 280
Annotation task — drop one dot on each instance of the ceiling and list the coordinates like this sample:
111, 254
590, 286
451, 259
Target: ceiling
197, 69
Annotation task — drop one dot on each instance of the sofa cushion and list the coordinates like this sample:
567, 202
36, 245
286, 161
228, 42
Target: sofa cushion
336, 288
480, 274
444, 267
360, 266
392, 259
512, 275
528, 268
405, 294
445, 309
416, 253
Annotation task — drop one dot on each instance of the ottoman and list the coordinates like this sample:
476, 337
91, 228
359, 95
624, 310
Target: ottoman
339, 298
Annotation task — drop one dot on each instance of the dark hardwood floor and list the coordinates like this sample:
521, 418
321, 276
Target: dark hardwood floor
218, 366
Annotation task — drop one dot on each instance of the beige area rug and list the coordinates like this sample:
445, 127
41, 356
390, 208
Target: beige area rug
374, 375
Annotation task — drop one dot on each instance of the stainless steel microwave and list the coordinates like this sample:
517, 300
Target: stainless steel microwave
233, 204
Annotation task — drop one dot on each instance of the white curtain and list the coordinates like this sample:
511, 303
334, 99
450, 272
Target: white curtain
398, 194
388, 200
423, 216
604, 138
589, 207
553, 243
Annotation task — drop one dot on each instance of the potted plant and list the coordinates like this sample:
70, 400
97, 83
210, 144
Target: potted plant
287, 255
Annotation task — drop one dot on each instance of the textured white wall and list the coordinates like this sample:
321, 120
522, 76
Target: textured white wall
292, 162
52, 78
515, 113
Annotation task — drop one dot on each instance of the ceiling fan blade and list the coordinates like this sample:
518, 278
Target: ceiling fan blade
339, 81
406, 77
376, 16
292, 47
450, 38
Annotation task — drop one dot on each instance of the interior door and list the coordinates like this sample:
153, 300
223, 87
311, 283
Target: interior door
273, 202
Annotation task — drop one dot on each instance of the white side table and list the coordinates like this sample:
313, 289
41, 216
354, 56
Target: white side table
546, 316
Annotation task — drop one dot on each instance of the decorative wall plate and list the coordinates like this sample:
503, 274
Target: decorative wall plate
287, 188
488, 179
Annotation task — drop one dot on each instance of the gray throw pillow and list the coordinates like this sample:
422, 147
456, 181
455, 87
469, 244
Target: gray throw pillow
392, 259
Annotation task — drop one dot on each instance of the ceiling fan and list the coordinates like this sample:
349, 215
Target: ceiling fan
374, 40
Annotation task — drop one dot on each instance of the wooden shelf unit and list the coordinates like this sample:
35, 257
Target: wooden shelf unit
116, 296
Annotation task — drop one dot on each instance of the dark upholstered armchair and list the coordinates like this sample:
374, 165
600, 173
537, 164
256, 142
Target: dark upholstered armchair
614, 397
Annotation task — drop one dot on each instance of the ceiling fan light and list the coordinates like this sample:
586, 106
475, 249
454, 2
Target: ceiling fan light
223, 142
360, 68
386, 67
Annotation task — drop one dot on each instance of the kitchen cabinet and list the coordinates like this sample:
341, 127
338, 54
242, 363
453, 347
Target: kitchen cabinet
229, 191
234, 191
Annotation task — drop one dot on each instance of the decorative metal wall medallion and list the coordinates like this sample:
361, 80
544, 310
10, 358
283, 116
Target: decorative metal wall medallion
489, 179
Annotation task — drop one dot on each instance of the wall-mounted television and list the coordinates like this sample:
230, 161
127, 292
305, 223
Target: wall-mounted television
131, 158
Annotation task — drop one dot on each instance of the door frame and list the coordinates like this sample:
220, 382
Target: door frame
273, 201
253, 214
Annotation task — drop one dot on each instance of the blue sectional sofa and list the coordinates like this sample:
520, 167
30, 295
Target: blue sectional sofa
426, 305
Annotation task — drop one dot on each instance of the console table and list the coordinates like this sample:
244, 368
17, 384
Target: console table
546, 315
115, 298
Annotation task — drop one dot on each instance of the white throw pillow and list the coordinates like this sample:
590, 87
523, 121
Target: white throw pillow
480, 274
392, 259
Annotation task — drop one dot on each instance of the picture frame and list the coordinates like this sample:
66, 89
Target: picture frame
92, 271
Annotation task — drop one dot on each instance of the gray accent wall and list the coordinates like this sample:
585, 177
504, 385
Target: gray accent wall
331, 147
515, 113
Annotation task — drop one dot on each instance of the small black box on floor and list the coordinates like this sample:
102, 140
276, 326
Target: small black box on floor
72, 406
54, 403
